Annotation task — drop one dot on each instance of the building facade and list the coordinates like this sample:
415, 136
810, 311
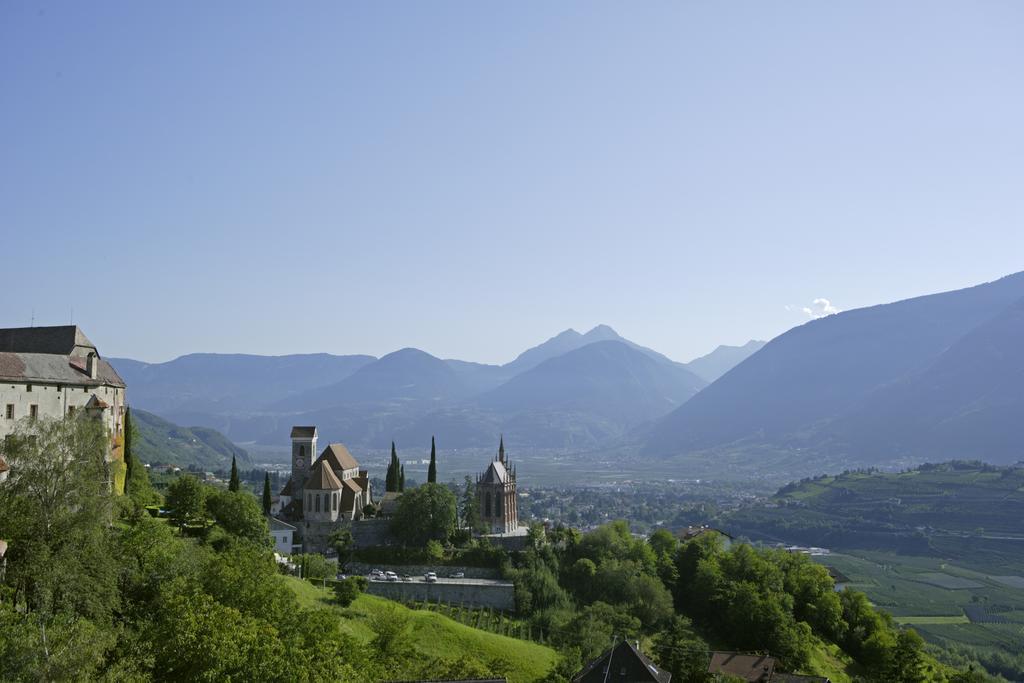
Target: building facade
496, 495
54, 372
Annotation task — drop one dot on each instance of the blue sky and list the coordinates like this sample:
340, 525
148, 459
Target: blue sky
471, 178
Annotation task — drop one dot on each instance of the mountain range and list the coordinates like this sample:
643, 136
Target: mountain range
929, 378
573, 390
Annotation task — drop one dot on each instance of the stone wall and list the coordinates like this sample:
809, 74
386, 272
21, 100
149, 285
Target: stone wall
421, 569
499, 596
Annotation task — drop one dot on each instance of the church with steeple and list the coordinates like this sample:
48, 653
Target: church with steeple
496, 495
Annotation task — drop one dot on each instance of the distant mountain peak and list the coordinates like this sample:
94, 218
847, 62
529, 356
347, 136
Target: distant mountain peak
599, 332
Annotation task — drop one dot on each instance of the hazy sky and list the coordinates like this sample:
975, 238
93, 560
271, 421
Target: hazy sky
472, 178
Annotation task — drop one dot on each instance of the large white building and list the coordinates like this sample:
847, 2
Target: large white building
53, 372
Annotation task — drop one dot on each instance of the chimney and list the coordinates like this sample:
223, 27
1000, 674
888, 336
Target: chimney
92, 365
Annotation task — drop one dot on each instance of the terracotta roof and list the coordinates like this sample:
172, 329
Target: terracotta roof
60, 340
55, 368
339, 457
96, 402
752, 668
303, 432
321, 478
4, 467
3, 548
623, 662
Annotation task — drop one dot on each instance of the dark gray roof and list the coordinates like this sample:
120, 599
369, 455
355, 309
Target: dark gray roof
303, 432
752, 668
56, 368
60, 340
627, 664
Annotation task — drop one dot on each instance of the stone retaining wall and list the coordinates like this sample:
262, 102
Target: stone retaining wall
421, 569
500, 596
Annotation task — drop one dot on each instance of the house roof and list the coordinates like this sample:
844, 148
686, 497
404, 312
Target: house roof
691, 532
96, 402
278, 525
339, 457
57, 368
58, 340
495, 474
797, 678
622, 663
321, 478
303, 432
753, 668
4, 467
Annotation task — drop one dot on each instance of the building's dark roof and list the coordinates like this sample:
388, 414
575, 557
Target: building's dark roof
303, 432
60, 340
837, 575
278, 525
55, 368
691, 532
752, 668
339, 458
495, 474
289, 489
797, 678
622, 663
321, 478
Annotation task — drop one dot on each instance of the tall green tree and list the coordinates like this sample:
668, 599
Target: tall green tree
233, 484
432, 470
268, 500
186, 498
470, 510
425, 513
392, 479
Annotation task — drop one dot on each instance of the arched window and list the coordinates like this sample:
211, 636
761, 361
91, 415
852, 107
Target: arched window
497, 506
317, 497
302, 451
335, 501
487, 504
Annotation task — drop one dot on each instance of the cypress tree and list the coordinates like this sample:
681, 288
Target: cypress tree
432, 472
391, 483
401, 479
267, 499
128, 455
233, 482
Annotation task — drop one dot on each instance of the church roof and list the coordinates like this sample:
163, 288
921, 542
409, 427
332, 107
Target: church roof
59, 340
339, 458
622, 662
303, 432
48, 367
495, 474
321, 478
289, 488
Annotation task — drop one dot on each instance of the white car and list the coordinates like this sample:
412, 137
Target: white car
430, 577
459, 575
391, 576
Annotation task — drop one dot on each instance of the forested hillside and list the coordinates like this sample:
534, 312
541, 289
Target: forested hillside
160, 441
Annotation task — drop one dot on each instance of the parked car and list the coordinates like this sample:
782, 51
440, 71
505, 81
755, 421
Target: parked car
459, 575
430, 577
391, 576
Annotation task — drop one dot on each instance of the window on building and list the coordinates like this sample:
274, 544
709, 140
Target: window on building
335, 501
58, 388
33, 411
71, 410
317, 499
9, 412
28, 388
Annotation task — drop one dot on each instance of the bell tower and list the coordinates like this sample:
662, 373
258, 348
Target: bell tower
303, 454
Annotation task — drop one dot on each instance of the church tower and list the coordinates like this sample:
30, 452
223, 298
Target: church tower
303, 455
496, 494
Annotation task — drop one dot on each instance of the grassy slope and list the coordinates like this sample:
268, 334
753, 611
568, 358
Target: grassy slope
158, 440
435, 635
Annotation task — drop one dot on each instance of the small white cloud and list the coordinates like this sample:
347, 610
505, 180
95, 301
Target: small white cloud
820, 308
